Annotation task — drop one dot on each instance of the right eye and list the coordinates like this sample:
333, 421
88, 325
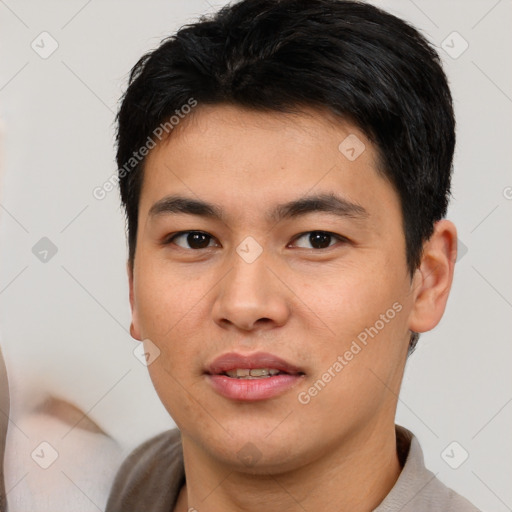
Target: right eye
195, 239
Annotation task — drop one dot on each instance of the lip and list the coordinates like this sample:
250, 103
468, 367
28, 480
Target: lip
252, 389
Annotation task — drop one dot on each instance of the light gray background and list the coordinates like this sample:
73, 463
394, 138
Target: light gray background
64, 323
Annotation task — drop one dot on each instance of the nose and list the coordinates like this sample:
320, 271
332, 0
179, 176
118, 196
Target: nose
251, 296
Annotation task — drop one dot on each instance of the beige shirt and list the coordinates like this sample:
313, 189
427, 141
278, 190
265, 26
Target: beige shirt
151, 477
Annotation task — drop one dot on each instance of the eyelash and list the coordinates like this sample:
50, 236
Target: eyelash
170, 239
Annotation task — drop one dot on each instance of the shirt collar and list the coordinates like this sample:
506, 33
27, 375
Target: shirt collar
414, 476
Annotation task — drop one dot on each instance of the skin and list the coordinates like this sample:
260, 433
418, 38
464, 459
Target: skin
302, 303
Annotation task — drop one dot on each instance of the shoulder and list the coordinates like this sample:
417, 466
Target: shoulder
150, 477
418, 489
436, 496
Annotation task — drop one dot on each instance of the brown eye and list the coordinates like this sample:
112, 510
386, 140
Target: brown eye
195, 239
319, 239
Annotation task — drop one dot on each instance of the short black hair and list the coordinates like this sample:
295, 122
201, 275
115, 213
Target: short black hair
363, 64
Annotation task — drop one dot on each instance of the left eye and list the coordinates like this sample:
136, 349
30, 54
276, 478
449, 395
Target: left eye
319, 239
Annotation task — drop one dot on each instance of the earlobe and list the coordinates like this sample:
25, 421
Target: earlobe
134, 332
433, 279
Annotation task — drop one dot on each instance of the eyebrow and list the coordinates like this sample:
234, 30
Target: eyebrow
329, 203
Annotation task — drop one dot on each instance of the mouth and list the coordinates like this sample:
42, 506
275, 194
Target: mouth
258, 376
256, 373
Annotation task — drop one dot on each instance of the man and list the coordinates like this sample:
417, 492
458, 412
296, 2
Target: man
285, 168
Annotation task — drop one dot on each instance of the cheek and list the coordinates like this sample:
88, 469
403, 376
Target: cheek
349, 300
364, 315
176, 395
173, 310
165, 298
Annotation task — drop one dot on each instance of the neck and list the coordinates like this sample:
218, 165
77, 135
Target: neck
355, 476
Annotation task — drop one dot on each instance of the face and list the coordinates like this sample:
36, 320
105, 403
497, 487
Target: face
321, 287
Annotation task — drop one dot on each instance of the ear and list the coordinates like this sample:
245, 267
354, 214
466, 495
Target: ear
433, 279
134, 325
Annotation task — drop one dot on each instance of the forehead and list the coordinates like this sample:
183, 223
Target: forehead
209, 128
246, 160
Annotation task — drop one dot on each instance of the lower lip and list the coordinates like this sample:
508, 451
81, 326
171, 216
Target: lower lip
253, 389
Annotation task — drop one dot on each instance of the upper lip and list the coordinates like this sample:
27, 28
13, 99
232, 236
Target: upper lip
234, 360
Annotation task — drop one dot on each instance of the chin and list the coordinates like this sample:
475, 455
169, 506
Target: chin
251, 448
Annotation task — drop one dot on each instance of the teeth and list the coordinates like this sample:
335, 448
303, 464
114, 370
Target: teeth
255, 373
